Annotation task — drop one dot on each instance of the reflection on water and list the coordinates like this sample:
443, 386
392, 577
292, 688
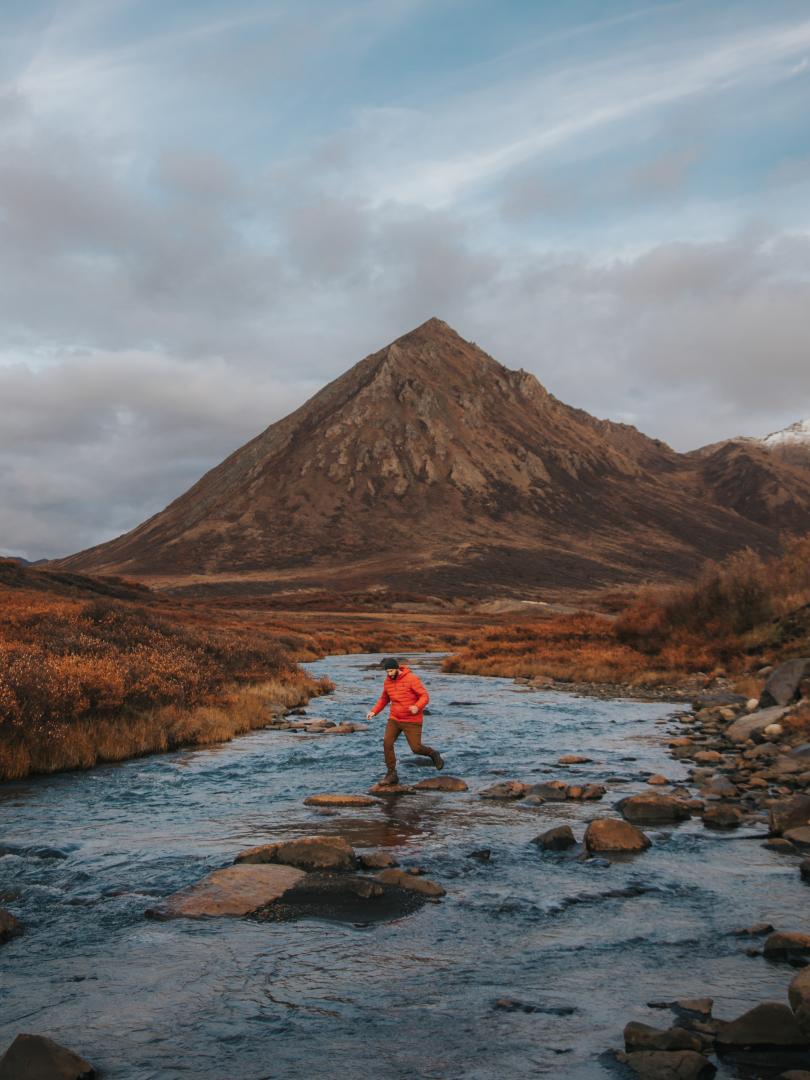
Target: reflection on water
581, 946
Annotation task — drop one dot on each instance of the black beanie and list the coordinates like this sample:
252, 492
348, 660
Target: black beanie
389, 662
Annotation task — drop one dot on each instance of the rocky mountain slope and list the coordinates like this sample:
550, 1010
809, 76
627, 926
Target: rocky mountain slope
430, 467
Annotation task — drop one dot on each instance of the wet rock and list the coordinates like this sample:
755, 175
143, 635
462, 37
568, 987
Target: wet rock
777, 843
638, 1036
799, 997
670, 1065
506, 789
768, 1025
376, 860
693, 1006
614, 835
650, 808
307, 853
35, 1057
550, 791
482, 854
804, 870
510, 1004
800, 838
752, 725
789, 814
442, 783
337, 799
722, 816
403, 880
573, 759
786, 946
757, 930
783, 683
657, 780
391, 789
10, 927
558, 839
718, 785
341, 897
232, 892
708, 757
588, 793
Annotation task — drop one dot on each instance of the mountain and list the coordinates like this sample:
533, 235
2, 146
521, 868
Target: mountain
792, 444
430, 468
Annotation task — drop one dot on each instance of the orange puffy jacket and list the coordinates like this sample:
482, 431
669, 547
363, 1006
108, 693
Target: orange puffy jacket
403, 691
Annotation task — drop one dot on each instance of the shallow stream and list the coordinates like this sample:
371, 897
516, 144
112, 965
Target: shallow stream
584, 945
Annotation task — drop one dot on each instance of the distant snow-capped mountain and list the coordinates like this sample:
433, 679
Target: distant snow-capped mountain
797, 434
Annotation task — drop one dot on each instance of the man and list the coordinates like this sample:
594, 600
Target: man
408, 698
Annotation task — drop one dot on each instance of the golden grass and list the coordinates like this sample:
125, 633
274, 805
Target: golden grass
87, 742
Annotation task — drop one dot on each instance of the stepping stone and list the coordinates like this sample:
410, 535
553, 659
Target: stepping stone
442, 783
390, 789
232, 892
377, 860
307, 853
329, 799
411, 883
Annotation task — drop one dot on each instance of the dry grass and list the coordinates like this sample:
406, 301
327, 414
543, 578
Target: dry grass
729, 621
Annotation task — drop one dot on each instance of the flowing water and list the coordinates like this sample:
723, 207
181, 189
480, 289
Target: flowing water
583, 945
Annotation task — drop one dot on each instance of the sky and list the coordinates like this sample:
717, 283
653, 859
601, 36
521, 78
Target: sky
208, 210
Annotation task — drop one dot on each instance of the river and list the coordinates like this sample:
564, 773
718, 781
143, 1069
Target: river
583, 944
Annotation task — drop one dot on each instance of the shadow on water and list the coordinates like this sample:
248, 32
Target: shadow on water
580, 945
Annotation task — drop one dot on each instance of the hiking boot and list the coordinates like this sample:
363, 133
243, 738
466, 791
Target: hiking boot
437, 759
390, 778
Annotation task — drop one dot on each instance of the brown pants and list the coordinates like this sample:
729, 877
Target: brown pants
413, 733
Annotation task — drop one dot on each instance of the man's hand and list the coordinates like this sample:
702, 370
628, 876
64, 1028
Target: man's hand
370, 715
413, 710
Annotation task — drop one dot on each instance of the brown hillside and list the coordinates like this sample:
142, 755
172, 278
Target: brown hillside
430, 467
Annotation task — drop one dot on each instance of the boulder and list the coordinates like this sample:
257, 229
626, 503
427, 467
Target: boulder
657, 780
708, 757
35, 1057
722, 816
573, 759
550, 791
588, 792
753, 724
651, 808
783, 683
799, 992
670, 1065
800, 838
768, 1025
506, 789
307, 853
786, 946
337, 799
789, 814
718, 785
232, 892
376, 860
10, 926
403, 880
390, 789
614, 835
639, 1036
557, 839
442, 783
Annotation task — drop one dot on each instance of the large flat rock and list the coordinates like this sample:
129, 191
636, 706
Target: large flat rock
232, 892
338, 799
753, 724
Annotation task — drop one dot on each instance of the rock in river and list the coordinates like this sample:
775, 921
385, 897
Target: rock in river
307, 853
614, 835
10, 927
789, 814
556, 839
403, 880
337, 799
670, 1065
786, 946
799, 998
441, 783
35, 1057
768, 1025
506, 789
234, 892
342, 897
800, 838
639, 1036
650, 808
722, 816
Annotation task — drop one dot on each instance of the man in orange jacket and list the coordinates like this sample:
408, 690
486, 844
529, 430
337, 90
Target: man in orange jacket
408, 698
